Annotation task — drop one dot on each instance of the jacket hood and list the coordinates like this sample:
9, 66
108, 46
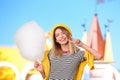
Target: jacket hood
60, 25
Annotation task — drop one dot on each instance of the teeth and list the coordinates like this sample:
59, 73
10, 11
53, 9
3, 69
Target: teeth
62, 39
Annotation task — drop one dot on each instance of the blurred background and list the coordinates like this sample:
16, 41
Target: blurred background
95, 22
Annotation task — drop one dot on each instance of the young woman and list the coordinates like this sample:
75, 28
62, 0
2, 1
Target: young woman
65, 61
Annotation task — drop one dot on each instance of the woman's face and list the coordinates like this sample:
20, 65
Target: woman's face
61, 37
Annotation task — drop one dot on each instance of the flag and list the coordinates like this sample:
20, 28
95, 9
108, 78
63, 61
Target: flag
110, 21
106, 26
99, 1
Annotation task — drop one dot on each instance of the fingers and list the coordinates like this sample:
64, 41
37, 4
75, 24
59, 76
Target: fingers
38, 66
78, 41
37, 63
75, 41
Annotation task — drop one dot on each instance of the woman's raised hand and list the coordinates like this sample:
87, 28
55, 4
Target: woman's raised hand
76, 41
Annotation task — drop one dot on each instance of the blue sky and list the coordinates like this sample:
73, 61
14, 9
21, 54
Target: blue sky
14, 13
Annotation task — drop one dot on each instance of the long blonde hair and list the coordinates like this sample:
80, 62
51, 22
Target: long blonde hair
56, 49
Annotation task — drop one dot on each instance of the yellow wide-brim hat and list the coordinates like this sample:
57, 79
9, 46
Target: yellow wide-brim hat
60, 25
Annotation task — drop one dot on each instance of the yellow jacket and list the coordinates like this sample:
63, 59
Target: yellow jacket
79, 72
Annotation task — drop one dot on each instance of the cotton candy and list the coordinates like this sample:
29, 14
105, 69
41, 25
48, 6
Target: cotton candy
30, 40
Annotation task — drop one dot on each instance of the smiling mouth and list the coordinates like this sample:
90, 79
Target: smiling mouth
62, 40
